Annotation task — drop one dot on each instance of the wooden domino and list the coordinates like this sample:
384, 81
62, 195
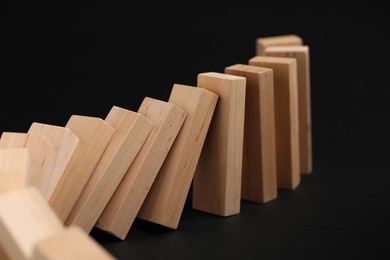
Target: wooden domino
165, 201
286, 118
64, 143
301, 54
71, 243
41, 152
217, 180
120, 213
14, 168
25, 220
131, 131
259, 152
282, 40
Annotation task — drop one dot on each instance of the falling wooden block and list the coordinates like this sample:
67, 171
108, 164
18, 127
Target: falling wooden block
14, 167
94, 134
131, 131
122, 209
286, 118
282, 40
166, 198
69, 244
64, 143
259, 156
217, 180
301, 54
41, 152
25, 220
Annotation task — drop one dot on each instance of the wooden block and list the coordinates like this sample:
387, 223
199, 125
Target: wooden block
122, 209
70, 244
301, 54
64, 142
14, 166
282, 40
25, 220
94, 134
166, 198
41, 152
131, 131
259, 156
286, 118
217, 180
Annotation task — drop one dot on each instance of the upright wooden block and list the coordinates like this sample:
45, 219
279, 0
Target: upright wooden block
259, 156
286, 118
41, 152
94, 134
122, 209
25, 220
64, 142
14, 167
70, 244
131, 131
282, 40
166, 198
301, 54
217, 180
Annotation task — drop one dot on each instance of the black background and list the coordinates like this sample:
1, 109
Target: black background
84, 58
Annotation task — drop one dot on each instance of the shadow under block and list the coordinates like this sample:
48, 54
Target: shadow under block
286, 118
282, 40
94, 134
121, 211
14, 168
25, 220
64, 143
69, 244
41, 152
259, 153
166, 198
301, 54
131, 131
217, 180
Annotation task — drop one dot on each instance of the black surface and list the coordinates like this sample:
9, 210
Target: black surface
87, 58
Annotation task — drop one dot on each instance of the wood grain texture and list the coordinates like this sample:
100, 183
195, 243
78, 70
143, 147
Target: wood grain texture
166, 198
94, 134
217, 180
14, 168
301, 54
70, 244
259, 152
64, 142
131, 131
286, 118
25, 220
280, 40
41, 152
121, 211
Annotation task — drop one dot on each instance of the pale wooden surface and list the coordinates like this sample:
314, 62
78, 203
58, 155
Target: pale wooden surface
286, 118
122, 209
131, 131
25, 220
259, 156
41, 152
64, 142
217, 179
280, 40
166, 198
301, 54
94, 134
70, 244
14, 168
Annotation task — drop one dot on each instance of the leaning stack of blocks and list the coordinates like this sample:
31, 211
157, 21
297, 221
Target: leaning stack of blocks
241, 134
